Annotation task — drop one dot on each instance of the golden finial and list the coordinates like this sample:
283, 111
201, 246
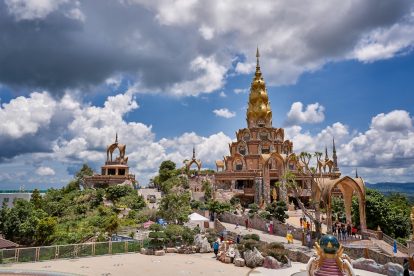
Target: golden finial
257, 57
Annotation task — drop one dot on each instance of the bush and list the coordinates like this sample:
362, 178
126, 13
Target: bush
275, 250
235, 201
252, 237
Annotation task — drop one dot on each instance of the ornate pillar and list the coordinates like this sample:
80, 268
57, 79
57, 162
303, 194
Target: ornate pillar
258, 189
233, 185
347, 194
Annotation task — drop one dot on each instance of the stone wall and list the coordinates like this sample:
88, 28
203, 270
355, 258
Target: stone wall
380, 258
258, 223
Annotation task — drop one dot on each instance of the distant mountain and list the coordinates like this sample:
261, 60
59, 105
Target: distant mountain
391, 187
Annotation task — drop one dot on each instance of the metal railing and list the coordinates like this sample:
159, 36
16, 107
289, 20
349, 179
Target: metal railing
390, 241
70, 251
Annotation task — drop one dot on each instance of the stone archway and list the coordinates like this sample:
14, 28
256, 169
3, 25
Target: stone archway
347, 186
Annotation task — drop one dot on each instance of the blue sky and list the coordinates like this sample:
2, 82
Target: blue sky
167, 76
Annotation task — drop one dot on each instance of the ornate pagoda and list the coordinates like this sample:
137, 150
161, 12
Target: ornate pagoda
115, 171
261, 155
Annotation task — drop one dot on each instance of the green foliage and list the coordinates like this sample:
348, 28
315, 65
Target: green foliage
391, 214
175, 206
218, 207
234, 201
157, 236
252, 237
45, 229
277, 209
197, 205
146, 215
207, 189
114, 193
36, 199
166, 170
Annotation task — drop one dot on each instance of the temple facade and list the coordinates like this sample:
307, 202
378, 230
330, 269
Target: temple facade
115, 171
261, 155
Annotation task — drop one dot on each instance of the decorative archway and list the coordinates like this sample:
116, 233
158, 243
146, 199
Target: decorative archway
347, 186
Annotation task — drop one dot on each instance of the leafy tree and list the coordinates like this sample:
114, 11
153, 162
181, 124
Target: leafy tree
36, 199
277, 210
114, 193
208, 192
166, 170
157, 236
45, 229
175, 206
80, 175
218, 207
383, 213
197, 205
112, 225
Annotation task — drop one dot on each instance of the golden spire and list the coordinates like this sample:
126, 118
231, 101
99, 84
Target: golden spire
259, 113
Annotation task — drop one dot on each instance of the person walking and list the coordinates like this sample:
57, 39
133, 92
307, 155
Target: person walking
216, 246
246, 222
406, 268
238, 239
309, 239
271, 227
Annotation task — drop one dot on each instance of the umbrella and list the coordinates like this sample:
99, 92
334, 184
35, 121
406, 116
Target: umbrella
148, 224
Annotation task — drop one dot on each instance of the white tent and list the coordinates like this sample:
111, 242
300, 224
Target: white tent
196, 219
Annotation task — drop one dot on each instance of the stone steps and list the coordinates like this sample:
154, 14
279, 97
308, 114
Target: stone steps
329, 268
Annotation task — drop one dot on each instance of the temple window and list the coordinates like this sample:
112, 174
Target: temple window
103, 172
111, 172
260, 123
291, 166
239, 165
265, 149
121, 172
264, 136
242, 150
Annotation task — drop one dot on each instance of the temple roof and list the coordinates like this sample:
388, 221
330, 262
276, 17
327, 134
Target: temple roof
259, 105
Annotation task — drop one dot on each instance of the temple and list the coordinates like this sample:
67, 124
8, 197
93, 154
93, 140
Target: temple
115, 171
259, 159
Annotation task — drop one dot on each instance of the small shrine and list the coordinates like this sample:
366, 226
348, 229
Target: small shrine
115, 171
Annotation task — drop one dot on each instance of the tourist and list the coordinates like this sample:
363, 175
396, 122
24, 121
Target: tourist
238, 239
237, 226
348, 230
354, 231
271, 227
406, 268
246, 222
300, 221
216, 246
289, 236
343, 229
268, 227
309, 239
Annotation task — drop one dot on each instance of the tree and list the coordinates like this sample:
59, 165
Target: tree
115, 192
208, 192
277, 210
45, 229
166, 170
36, 199
175, 206
218, 207
157, 236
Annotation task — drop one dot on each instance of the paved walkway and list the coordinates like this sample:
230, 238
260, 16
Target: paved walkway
135, 264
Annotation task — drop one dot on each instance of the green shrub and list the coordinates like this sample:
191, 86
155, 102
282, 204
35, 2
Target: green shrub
251, 236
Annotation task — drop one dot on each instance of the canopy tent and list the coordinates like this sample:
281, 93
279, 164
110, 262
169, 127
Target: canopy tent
196, 219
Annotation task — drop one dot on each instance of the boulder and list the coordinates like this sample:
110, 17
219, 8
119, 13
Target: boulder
253, 258
227, 260
369, 265
393, 269
171, 250
237, 254
147, 251
159, 253
205, 246
239, 262
221, 257
272, 263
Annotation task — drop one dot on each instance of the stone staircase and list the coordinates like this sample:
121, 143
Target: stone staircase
329, 268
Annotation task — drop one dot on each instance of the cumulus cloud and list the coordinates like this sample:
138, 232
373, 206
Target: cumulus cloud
313, 113
240, 90
186, 47
45, 171
397, 120
224, 112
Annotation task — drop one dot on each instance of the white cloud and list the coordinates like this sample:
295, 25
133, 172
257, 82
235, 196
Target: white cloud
22, 116
224, 112
222, 94
312, 114
32, 9
245, 68
210, 77
240, 90
397, 120
45, 171
206, 32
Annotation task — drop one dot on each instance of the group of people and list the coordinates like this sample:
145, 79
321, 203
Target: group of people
216, 244
305, 224
344, 231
